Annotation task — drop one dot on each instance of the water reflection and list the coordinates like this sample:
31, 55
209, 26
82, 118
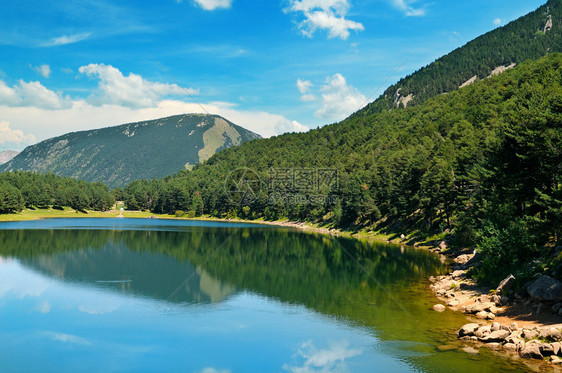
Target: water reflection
202, 298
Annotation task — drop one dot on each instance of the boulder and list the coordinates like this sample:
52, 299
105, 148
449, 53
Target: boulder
479, 306
464, 258
482, 331
545, 288
439, 308
551, 334
510, 347
505, 284
557, 347
468, 329
495, 326
495, 336
555, 360
546, 349
482, 315
453, 303
530, 351
530, 333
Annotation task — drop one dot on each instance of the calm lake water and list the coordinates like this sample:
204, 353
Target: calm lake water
130, 295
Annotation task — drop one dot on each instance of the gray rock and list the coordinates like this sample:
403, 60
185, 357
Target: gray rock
555, 360
557, 347
546, 349
495, 336
531, 351
479, 306
505, 284
439, 308
482, 331
530, 334
482, 315
545, 288
551, 334
468, 329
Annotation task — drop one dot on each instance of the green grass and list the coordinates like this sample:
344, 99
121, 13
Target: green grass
29, 214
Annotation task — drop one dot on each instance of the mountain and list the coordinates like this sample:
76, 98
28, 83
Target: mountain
143, 150
7, 155
529, 37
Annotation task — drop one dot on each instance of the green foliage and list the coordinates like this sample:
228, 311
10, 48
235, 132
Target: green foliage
508, 250
11, 200
20, 189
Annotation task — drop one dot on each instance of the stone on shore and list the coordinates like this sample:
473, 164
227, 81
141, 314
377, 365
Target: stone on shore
545, 288
495, 336
531, 351
468, 329
439, 308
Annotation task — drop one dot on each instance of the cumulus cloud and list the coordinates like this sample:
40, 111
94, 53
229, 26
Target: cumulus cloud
32, 94
406, 7
304, 87
12, 136
328, 360
214, 4
326, 15
67, 39
130, 91
43, 70
498, 21
339, 99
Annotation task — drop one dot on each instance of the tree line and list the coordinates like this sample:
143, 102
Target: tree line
26, 189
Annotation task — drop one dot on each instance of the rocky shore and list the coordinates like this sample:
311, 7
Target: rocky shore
526, 323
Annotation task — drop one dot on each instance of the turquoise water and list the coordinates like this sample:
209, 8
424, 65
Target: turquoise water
130, 295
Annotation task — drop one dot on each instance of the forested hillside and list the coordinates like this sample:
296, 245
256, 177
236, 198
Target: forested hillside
118, 155
529, 37
483, 163
19, 190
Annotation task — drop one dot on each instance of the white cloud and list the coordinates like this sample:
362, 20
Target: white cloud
131, 91
32, 94
43, 70
339, 99
67, 39
215, 370
214, 4
498, 21
406, 7
326, 15
68, 338
304, 87
329, 360
14, 137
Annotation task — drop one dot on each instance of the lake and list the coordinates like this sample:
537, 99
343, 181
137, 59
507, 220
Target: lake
130, 295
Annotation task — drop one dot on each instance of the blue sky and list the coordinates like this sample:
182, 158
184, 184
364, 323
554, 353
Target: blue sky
270, 66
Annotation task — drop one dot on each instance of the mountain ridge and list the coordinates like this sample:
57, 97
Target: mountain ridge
120, 154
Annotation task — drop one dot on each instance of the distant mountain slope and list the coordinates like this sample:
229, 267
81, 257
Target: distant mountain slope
143, 150
7, 155
529, 37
